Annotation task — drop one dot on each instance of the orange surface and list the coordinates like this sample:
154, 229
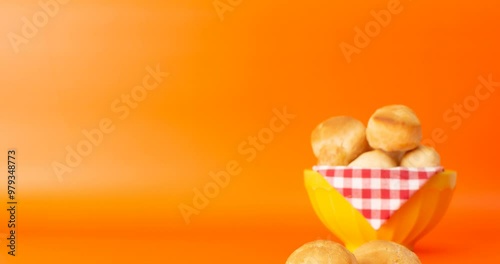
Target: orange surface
120, 203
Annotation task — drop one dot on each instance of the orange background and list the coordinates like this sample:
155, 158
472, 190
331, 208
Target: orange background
120, 205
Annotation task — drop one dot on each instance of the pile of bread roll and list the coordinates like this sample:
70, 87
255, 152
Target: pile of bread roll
373, 252
392, 138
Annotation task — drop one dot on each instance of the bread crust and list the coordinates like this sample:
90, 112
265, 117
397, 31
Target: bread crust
394, 128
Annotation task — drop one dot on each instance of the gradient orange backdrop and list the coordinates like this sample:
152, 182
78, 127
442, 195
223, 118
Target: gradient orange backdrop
120, 205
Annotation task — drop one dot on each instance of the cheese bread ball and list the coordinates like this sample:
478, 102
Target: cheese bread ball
394, 128
374, 159
338, 140
423, 156
321, 252
385, 252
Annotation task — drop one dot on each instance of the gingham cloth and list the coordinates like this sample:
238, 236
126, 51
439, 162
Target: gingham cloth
377, 193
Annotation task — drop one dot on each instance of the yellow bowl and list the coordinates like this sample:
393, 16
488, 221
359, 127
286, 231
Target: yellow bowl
407, 225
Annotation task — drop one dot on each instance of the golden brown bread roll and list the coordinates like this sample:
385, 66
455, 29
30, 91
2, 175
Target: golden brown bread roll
423, 156
374, 159
338, 141
385, 252
321, 252
394, 128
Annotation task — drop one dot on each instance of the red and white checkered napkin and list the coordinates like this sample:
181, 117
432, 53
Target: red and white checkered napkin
377, 193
